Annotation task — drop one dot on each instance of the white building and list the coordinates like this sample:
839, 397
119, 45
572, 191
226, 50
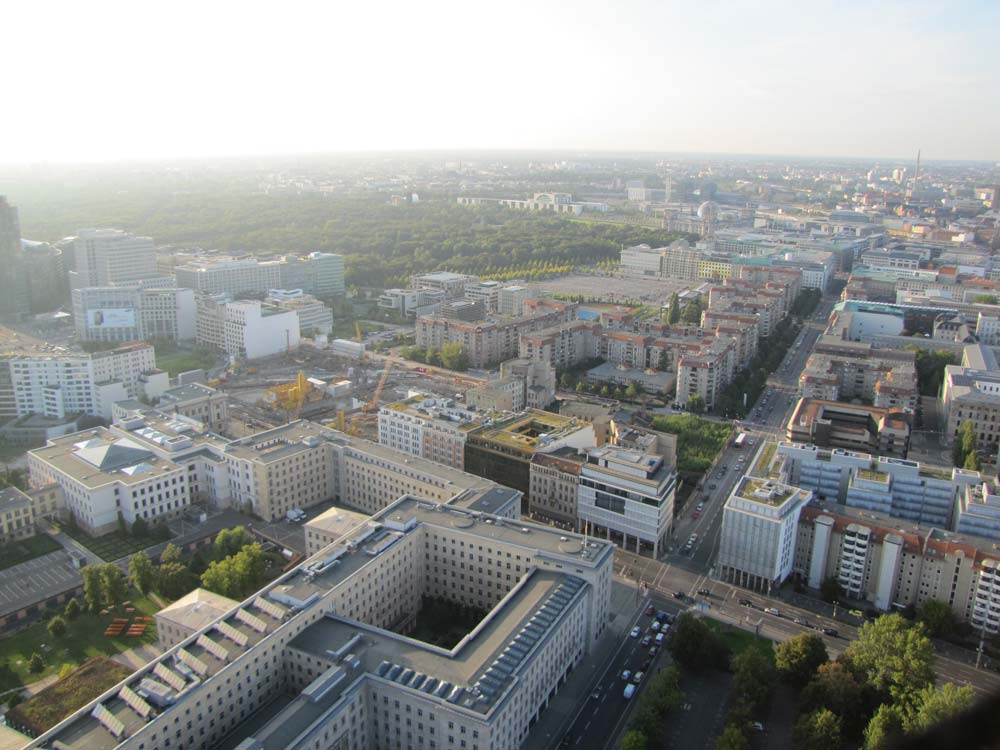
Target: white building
314, 316
642, 260
627, 496
487, 292
757, 541
452, 284
411, 302
252, 331
422, 425
107, 257
60, 385
510, 300
134, 312
229, 275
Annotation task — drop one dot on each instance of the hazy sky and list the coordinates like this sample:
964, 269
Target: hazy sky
108, 80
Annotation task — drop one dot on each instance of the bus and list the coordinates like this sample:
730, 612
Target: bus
740, 440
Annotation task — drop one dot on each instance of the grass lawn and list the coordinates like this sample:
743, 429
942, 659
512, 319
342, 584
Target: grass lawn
739, 640
56, 702
181, 361
698, 440
112, 546
22, 550
84, 639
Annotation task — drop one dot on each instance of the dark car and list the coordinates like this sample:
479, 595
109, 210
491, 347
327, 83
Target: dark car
680, 595
662, 616
646, 664
830, 632
650, 611
704, 592
746, 603
567, 740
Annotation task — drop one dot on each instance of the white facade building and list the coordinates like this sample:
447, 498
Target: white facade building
434, 428
250, 331
107, 257
314, 316
510, 300
134, 312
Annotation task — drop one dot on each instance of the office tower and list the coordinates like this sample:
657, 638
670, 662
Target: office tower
14, 297
107, 257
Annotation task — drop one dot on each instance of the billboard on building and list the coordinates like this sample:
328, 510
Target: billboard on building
111, 317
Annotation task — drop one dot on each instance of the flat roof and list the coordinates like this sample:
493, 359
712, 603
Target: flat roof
197, 609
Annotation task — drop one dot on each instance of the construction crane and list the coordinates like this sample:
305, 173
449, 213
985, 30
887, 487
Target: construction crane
373, 404
291, 397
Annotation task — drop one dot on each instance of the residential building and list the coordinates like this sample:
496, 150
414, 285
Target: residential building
537, 379
60, 385
971, 393
422, 425
196, 401
137, 311
511, 299
835, 424
487, 292
628, 497
411, 302
252, 331
502, 451
315, 318
324, 654
110, 257
17, 515
502, 395
564, 345
706, 373
452, 284
757, 540
193, 612
553, 480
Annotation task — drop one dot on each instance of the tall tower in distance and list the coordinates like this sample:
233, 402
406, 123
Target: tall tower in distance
13, 290
914, 190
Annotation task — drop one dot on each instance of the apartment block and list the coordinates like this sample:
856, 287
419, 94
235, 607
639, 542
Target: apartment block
17, 515
564, 345
134, 312
554, 479
971, 393
109, 257
757, 540
426, 426
325, 648
835, 424
706, 373
627, 496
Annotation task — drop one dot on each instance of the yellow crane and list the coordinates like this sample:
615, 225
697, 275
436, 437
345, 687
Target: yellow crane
291, 397
373, 404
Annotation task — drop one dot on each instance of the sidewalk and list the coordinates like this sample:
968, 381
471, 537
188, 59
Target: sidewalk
572, 697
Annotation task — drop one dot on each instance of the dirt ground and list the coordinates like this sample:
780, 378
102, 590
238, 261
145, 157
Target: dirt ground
614, 288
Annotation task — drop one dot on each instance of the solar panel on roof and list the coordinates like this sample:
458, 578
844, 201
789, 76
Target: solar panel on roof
443, 688
456, 693
405, 676
394, 672
382, 668
417, 681
428, 687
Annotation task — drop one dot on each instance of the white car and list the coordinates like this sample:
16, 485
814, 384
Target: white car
625, 675
634, 633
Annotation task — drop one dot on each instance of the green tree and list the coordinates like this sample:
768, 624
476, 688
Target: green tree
965, 443
36, 664
798, 658
674, 310
971, 461
634, 740
934, 705
830, 590
56, 627
72, 610
171, 554
230, 541
694, 645
691, 313
581, 387
174, 580
883, 728
754, 676
819, 730
567, 381
141, 572
893, 656
454, 357
139, 528
732, 738
236, 575
93, 586
696, 404
835, 687
937, 617
632, 392
114, 587
663, 361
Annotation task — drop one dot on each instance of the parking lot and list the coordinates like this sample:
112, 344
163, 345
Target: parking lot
613, 288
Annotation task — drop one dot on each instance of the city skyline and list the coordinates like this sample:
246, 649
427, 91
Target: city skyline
847, 81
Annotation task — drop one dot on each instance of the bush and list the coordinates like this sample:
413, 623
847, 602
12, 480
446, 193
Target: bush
36, 663
57, 627
72, 610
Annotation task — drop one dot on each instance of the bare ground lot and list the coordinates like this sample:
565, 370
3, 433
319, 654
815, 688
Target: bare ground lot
614, 288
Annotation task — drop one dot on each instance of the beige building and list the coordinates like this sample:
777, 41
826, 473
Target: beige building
971, 393
835, 424
17, 515
426, 426
329, 526
554, 478
197, 401
179, 621
333, 642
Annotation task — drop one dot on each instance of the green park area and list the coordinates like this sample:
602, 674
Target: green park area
175, 360
18, 551
46, 709
698, 440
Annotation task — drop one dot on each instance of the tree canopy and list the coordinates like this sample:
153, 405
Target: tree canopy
798, 658
893, 656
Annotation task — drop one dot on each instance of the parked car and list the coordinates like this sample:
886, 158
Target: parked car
704, 592
634, 633
650, 610
680, 595
626, 674
772, 611
646, 640
629, 691
746, 603
637, 677
830, 632
655, 626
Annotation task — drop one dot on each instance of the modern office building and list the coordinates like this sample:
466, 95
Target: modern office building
58, 385
15, 301
315, 318
431, 427
318, 274
451, 284
757, 540
45, 276
109, 257
229, 275
328, 656
554, 479
502, 450
252, 330
137, 311
511, 299
409, 303
487, 292
628, 497
835, 424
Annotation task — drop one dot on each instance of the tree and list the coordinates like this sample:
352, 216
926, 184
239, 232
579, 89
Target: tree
93, 586
830, 590
113, 585
140, 528
971, 461
696, 404
236, 575
141, 572
662, 694
965, 443
453, 357
36, 664
732, 738
674, 310
883, 728
834, 687
171, 554
57, 627
937, 617
819, 730
72, 610
754, 676
634, 740
230, 541
567, 381
632, 392
691, 313
663, 361
934, 705
695, 645
174, 580
65, 671
892, 656
798, 658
